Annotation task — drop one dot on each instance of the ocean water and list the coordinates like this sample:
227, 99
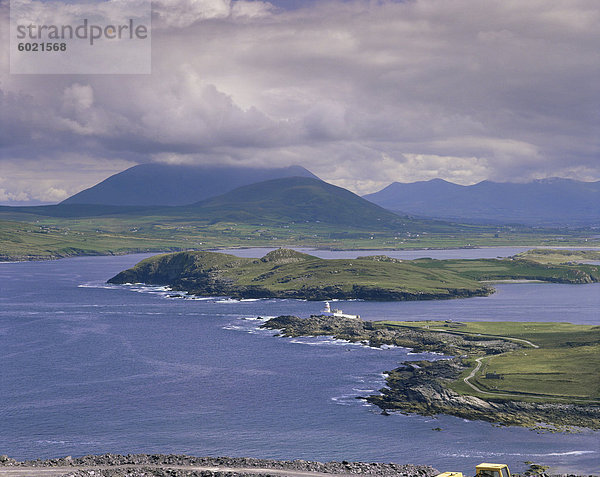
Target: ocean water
90, 368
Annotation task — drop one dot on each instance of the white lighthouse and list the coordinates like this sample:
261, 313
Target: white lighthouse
336, 312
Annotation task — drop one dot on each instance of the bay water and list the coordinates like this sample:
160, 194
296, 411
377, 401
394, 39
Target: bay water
86, 367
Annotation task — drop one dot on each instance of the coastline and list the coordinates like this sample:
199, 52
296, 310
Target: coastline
159, 465
4, 258
426, 387
177, 465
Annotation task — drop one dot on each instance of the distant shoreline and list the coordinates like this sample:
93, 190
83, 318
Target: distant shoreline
45, 258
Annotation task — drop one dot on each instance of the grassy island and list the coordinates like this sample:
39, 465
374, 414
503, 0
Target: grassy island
525, 374
286, 273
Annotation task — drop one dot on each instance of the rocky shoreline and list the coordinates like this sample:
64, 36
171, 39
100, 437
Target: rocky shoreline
376, 335
177, 465
423, 387
420, 387
288, 274
148, 464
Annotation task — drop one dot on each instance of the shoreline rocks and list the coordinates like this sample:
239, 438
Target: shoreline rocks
141, 460
420, 387
162, 465
423, 387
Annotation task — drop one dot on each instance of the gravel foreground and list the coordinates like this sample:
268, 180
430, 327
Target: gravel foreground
159, 465
145, 465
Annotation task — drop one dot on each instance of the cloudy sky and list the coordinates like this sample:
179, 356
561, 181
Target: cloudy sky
360, 92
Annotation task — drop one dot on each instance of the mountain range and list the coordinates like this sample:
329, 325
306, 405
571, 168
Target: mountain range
541, 202
293, 194
165, 184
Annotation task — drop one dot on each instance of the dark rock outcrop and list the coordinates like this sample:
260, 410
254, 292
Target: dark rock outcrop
421, 387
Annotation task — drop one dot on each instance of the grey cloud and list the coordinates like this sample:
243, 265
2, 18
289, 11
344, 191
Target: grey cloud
362, 93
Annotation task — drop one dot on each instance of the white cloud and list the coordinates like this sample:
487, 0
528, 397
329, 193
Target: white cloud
47, 178
183, 13
78, 97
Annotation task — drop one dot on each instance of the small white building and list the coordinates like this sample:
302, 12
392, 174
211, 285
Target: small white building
336, 312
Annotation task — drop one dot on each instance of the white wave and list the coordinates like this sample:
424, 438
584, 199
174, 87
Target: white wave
323, 341
247, 325
259, 331
345, 400
577, 452
153, 289
484, 453
102, 285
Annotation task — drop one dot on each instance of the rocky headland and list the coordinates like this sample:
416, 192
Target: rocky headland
424, 387
287, 273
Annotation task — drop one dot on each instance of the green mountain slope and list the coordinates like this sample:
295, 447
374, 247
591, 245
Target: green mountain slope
296, 199
284, 201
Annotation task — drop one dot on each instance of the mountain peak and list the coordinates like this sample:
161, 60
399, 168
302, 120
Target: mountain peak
165, 184
297, 200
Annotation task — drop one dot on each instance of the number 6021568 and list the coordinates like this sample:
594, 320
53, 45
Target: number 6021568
42, 46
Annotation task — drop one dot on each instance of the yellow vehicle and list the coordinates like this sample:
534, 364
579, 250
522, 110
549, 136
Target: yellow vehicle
483, 470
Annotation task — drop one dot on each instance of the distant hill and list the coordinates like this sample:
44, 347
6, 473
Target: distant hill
164, 184
296, 199
546, 201
280, 202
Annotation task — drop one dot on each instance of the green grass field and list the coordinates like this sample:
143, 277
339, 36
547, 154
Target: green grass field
285, 272
555, 372
512, 269
564, 367
560, 256
288, 273
54, 237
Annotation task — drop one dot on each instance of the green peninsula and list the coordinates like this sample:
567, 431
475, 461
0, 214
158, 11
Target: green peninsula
287, 273
524, 374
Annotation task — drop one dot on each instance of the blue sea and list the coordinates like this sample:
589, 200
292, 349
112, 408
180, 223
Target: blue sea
87, 368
